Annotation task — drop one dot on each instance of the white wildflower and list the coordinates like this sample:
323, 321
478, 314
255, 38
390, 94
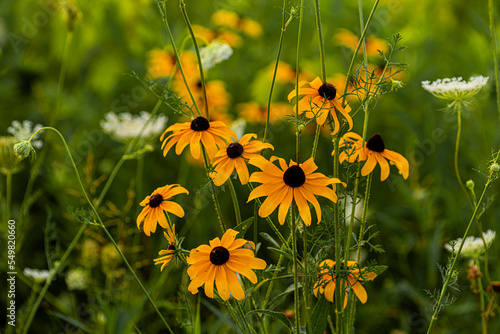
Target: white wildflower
36, 274
76, 279
358, 212
473, 247
455, 88
124, 127
214, 53
238, 126
23, 131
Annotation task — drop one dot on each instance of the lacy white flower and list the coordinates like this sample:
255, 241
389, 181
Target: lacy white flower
473, 247
24, 130
455, 88
76, 279
238, 126
215, 53
36, 274
125, 126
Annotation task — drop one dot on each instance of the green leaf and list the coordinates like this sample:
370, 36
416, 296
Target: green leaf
270, 239
287, 253
243, 227
273, 314
317, 322
69, 320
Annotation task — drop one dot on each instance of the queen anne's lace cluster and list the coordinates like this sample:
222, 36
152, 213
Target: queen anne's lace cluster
23, 131
455, 88
473, 247
125, 126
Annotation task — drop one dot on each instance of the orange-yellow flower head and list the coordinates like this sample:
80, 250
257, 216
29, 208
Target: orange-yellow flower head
167, 255
156, 204
326, 283
290, 182
217, 264
210, 134
233, 157
373, 152
321, 99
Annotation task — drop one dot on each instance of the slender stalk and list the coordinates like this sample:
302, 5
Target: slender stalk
450, 270
340, 296
295, 272
321, 42
297, 70
457, 144
280, 46
495, 51
182, 6
316, 140
305, 287
234, 197
242, 315
214, 195
163, 12
139, 176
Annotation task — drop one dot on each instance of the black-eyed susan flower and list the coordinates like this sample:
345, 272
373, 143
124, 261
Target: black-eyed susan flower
167, 255
373, 45
233, 157
319, 100
210, 134
218, 263
327, 281
289, 183
156, 204
373, 152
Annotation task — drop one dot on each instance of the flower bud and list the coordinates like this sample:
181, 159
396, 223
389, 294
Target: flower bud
23, 149
470, 184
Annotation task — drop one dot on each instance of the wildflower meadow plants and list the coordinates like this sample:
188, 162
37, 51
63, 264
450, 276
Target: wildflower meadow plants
259, 199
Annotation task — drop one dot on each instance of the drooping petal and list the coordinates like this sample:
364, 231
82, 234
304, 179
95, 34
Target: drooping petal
242, 170
172, 207
384, 166
358, 289
221, 282
303, 207
234, 285
370, 164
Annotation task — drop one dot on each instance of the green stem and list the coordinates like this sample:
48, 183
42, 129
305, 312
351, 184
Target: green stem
450, 270
214, 195
182, 6
139, 176
321, 42
295, 272
316, 140
297, 72
232, 311
495, 51
457, 144
305, 287
163, 12
339, 296
273, 278
242, 315
280, 46
236, 205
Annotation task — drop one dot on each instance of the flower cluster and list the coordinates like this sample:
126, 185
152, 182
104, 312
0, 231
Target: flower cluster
23, 131
124, 127
473, 247
455, 88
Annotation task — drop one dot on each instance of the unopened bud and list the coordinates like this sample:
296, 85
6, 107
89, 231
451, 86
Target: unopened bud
470, 184
494, 167
23, 149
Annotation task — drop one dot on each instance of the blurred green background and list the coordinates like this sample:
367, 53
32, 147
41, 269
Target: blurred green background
111, 39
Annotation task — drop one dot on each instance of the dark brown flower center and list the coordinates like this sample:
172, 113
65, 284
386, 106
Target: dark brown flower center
219, 255
200, 124
375, 143
155, 200
234, 150
170, 247
328, 91
294, 176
